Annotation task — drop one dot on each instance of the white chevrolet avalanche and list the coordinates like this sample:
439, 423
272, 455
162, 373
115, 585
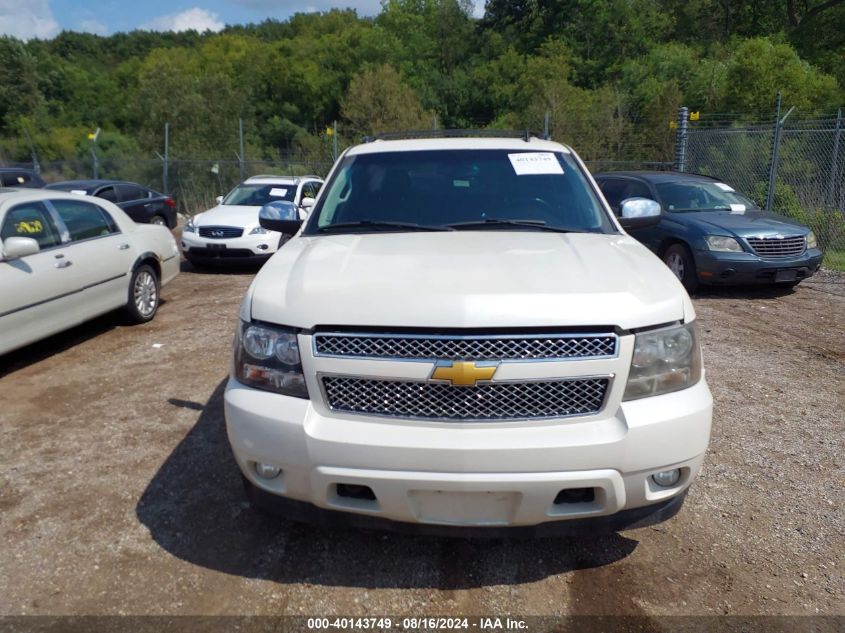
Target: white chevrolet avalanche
65, 259
462, 337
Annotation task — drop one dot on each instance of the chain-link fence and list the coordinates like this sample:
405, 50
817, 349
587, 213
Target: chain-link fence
793, 167
193, 183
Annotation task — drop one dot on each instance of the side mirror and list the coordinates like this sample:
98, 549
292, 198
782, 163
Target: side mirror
638, 213
14, 247
281, 216
219, 199
307, 202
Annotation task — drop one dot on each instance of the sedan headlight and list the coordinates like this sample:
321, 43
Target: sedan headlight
722, 243
267, 357
664, 360
811, 240
190, 227
258, 230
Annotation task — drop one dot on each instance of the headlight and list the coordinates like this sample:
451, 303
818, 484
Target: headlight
190, 227
258, 230
721, 243
267, 357
664, 360
811, 240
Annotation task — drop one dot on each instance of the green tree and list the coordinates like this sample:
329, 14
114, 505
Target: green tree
378, 101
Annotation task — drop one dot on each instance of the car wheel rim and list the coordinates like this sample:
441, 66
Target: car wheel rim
158, 221
676, 265
146, 294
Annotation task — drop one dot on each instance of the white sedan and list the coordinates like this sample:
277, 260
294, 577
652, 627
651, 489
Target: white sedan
65, 259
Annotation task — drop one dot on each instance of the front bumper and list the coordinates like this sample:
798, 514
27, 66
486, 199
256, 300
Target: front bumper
748, 268
505, 474
247, 248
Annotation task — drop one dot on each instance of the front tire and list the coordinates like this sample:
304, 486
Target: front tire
158, 221
144, 295
679, 260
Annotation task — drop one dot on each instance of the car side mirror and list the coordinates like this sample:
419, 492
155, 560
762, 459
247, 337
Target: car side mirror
219, 199
15, 247
307, 202
281, 216
638, 213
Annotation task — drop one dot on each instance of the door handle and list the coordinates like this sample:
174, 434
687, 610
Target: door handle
123, 247
64, 263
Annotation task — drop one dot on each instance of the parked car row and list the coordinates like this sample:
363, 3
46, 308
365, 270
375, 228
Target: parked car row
140, 203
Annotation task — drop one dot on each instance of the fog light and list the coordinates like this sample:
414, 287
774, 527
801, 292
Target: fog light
262, 247
266, 471
666, 478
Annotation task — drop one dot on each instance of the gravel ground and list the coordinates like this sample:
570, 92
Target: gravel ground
118, 493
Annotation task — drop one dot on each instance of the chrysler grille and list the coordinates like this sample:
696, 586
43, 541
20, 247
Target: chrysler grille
488, 401
774, 247
443, 347
220, 232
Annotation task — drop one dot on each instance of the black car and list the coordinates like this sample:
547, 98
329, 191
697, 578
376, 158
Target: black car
20, 177
141, 204
711, 234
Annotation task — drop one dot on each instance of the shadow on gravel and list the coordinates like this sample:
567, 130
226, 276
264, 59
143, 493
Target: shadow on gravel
224, 268
744, 292
40, 350
195, 509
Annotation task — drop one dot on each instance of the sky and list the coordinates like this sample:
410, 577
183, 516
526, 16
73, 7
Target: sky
27, 19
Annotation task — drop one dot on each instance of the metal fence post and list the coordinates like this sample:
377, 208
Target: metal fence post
164, 166
546, 126
773, 162
681, 139
241, 156
834, 161
334, 140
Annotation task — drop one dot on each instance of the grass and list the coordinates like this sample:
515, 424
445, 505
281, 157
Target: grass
834, 258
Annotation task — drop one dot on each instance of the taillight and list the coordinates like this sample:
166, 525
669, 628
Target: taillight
169, 202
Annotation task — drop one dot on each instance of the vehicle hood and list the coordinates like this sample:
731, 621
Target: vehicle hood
467, 279
743, 224
228, 215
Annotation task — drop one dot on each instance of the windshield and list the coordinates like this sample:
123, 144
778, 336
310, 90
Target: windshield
259, 195
696, 195
458, 190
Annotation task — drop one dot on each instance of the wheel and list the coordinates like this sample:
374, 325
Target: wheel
679, 260
158, 221
144, 294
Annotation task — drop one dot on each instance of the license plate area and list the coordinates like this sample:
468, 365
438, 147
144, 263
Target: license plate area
216, 247
786, 275
464, 507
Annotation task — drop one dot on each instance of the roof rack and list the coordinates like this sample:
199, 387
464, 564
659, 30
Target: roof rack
525, 135
296, 179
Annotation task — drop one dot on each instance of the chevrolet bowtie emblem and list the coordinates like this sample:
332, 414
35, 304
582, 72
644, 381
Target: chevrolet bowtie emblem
463, 373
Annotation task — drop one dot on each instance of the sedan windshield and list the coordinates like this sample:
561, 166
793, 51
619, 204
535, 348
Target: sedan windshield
696, 195
259, 195
454, 190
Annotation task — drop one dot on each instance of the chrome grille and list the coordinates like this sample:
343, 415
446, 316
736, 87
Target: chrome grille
775, 247
220, 232
443, 347
489, 401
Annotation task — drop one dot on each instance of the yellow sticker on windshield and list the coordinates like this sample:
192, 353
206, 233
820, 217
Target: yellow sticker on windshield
30, 227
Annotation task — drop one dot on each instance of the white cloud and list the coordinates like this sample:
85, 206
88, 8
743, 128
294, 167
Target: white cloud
363, 7
27, 20
196, 19
93, 26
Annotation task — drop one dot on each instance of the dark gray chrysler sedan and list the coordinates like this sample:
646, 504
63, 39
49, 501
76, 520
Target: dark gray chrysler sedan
711, 234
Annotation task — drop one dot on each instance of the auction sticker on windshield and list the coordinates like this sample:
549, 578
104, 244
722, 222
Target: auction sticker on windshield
531, 163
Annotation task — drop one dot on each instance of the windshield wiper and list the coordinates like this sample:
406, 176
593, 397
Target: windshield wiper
496, 222
383, 224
